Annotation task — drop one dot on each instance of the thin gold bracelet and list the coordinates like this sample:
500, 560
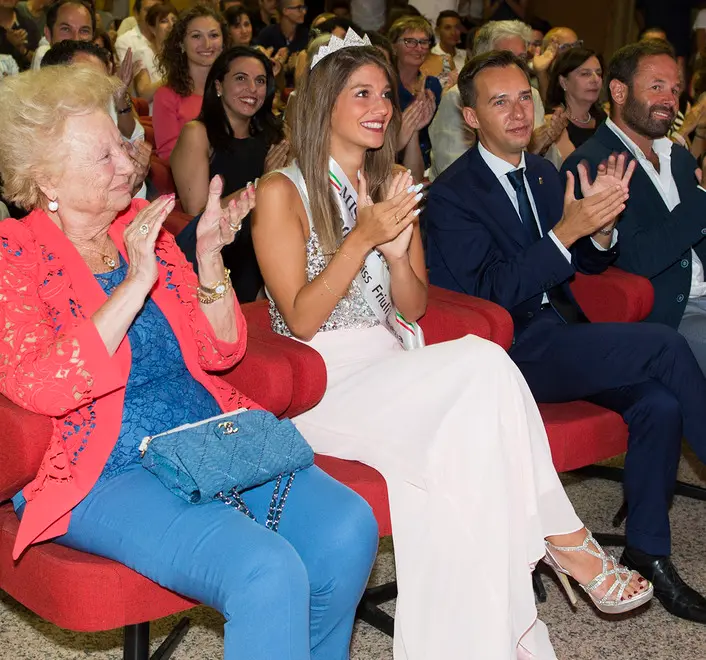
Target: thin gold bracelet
347, 256
330, 290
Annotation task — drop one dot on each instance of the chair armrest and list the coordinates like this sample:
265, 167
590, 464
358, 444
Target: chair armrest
499, 320
444, 322
24, 437
265, 375
308, 367
614, 296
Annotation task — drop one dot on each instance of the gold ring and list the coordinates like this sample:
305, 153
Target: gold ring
144, 229
233, 226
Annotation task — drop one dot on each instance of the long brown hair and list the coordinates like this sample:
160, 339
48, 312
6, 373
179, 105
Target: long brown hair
316, 97
173, 60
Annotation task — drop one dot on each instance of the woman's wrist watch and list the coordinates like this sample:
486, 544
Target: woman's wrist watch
127, 101
209, 294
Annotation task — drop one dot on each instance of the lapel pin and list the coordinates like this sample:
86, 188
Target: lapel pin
541, 180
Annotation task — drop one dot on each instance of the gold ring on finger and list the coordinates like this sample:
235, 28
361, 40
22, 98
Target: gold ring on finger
144, 229
234, 226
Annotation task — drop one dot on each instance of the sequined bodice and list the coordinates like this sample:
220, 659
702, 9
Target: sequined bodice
352, 311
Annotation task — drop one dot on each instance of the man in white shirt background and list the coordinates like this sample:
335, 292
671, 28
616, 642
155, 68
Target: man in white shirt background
136, 39
448, 34
663, 227
66, 19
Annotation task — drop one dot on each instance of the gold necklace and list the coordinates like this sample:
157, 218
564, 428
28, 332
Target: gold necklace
107, 259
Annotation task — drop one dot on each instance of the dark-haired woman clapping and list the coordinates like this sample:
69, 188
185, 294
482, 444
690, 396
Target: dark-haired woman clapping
237, 137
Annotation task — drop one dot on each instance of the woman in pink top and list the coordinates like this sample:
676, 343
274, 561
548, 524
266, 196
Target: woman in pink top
192, 46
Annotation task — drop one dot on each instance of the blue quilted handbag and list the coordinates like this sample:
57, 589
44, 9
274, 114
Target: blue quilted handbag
220, 457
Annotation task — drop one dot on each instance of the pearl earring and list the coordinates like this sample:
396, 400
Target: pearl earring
53, 205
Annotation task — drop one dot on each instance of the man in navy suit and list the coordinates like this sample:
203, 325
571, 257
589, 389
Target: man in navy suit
664, 223
501, 227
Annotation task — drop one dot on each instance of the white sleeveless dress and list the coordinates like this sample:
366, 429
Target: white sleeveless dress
473, 492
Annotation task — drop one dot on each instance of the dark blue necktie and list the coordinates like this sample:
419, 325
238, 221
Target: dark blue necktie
517, 179
558, 298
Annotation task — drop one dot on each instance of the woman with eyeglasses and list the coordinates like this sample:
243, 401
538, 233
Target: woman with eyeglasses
411, 37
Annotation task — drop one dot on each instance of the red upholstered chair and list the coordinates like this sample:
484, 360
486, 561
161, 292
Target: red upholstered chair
161, 175
142, 107
84, 592
149, 129
442, 322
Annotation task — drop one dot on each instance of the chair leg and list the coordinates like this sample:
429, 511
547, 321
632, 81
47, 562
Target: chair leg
539, 591
137, 641
172, 640
616, 474
369, 611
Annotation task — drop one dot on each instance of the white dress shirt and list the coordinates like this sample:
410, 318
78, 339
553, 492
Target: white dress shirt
41, 51
664, 182
459, 57
501, 168
141, 51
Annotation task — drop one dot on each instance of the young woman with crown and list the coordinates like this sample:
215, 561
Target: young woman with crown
474, 497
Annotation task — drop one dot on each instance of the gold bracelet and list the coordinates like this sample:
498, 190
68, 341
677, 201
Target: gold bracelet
333, 293
216, 291
343, 254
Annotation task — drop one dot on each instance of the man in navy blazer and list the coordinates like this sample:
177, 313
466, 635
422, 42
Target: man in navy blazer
663, 226
500, 226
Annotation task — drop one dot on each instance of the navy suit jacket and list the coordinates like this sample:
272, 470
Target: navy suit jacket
655, 243
477, 244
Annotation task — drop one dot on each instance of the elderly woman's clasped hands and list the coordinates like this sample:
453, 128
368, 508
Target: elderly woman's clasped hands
217, 228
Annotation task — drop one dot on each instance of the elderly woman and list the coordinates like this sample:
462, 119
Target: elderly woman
105, 329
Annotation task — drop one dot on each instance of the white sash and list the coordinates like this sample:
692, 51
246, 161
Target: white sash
374, 276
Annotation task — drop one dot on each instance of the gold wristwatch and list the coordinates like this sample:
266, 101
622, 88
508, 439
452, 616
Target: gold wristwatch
215, 291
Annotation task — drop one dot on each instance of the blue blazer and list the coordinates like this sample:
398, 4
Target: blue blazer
655, 243
477, 244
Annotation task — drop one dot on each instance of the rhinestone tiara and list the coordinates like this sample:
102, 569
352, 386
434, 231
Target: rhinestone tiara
351, 40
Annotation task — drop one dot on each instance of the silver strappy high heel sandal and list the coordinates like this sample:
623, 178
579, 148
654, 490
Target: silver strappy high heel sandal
611, 602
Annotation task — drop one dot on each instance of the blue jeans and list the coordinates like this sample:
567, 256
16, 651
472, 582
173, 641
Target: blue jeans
289, 595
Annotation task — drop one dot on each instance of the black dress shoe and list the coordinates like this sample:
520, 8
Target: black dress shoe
677, 597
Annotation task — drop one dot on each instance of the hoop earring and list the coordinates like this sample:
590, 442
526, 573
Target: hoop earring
53, 205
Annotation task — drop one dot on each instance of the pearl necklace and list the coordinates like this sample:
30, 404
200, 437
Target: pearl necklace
588, 119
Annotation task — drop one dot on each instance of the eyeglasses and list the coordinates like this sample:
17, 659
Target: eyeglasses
575, 44
298, 7
409, 42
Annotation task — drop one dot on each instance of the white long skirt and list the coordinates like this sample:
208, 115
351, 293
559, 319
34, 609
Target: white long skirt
455, 431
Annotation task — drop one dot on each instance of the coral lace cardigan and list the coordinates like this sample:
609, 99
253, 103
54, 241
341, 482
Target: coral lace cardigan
54, 362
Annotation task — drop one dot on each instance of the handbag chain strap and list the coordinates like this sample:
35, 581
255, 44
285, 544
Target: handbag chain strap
274, 513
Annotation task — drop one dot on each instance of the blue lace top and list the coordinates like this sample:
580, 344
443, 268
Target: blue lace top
161, 393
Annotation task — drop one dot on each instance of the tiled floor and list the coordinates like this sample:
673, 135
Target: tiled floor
583, 635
